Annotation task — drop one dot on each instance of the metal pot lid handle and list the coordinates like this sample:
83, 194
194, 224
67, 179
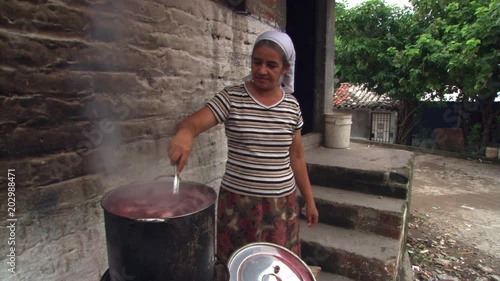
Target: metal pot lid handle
266, 277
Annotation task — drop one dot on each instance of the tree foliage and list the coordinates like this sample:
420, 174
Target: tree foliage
445, 46
364, 36
457, 48
457, 51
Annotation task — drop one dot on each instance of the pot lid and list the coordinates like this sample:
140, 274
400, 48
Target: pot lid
264, 261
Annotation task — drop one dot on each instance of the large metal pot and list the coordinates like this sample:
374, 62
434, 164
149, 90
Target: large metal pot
153, 234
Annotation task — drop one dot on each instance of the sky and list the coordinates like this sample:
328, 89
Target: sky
401, 3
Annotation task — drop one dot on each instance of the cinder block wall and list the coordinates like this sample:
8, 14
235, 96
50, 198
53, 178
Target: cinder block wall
90, 92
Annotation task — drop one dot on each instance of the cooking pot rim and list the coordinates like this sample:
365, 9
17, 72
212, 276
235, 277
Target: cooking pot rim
143, 182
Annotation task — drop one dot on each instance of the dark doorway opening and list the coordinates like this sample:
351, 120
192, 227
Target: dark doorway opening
300, 26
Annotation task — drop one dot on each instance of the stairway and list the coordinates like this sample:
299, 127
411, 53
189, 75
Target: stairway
362, 194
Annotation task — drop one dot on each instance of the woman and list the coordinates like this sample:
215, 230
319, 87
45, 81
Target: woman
257, 199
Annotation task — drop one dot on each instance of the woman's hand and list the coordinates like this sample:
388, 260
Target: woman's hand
299, 168
181, 144
312, 215
179, 148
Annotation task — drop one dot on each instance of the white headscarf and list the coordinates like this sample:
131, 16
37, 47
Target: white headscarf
285, 42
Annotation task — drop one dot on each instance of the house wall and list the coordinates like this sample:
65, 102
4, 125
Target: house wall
362, 119
360, 127
91, 92
361, 124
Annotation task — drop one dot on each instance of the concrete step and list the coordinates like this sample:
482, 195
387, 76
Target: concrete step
354, 210
351, 253
363, 168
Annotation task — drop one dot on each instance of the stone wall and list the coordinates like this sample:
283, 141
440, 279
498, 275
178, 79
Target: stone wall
89, 97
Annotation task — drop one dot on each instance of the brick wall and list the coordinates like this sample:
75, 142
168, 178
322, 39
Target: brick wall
90, 93
272, 12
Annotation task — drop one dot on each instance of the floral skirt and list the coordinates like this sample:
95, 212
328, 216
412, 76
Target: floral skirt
245, 219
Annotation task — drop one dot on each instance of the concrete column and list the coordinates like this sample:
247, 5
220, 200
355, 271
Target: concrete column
324, 61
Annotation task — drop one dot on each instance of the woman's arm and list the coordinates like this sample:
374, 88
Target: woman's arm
181, 144
302, 178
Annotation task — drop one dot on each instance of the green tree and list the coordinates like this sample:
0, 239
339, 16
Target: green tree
456, 52
365, 36
440, 47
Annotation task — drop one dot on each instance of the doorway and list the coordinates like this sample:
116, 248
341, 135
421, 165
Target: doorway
301, 27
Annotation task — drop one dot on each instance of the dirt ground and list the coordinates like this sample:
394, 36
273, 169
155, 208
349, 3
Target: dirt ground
455, 219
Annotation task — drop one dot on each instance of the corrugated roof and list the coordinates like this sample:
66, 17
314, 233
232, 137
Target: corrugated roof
357, 96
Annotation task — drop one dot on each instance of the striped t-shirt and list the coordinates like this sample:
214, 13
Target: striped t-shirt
259, 138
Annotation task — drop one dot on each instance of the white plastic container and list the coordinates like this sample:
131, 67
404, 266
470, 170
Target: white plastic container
337, 130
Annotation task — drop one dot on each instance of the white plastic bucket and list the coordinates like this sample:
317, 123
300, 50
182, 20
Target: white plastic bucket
337, 130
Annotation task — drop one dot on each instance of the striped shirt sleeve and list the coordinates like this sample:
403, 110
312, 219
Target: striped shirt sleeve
220, 106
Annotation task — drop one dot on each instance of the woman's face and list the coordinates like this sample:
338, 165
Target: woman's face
267, 67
